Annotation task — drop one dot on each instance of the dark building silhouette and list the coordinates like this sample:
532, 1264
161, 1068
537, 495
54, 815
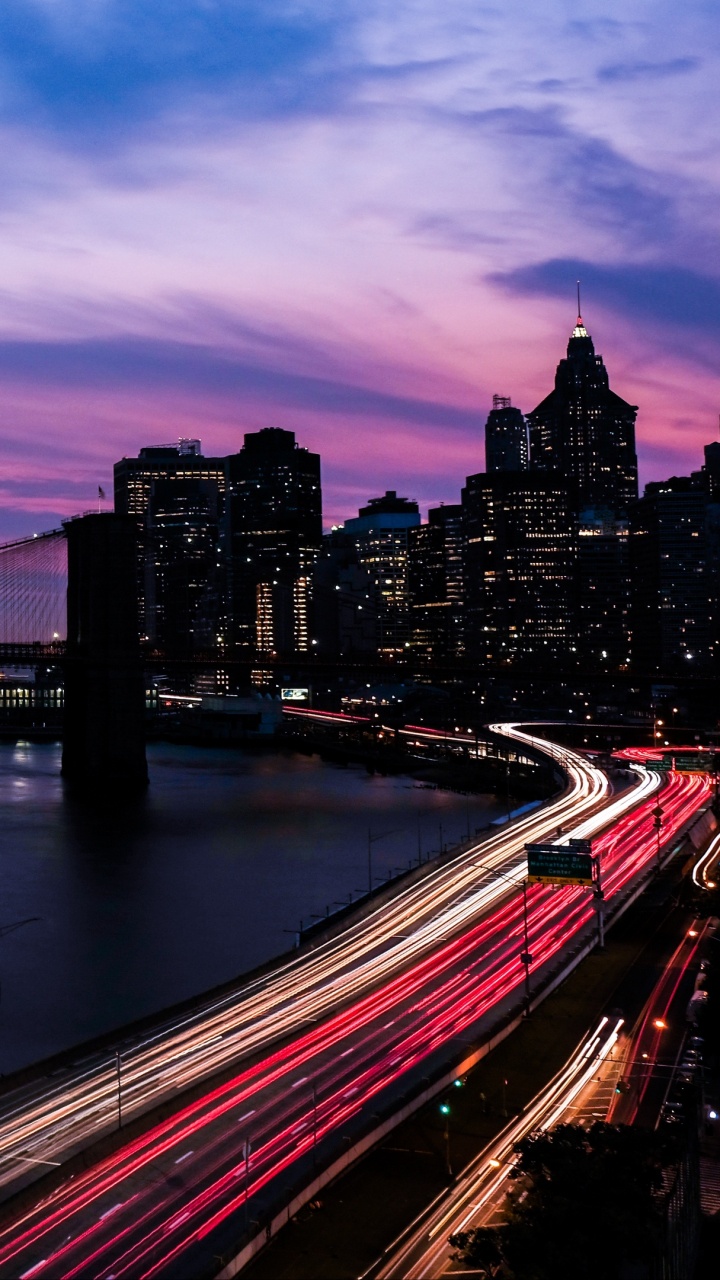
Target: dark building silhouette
603, 589
519, 568
671, 595
136, 480
506, 437
344, 602
272, 537
183, 580
584, 432
104, 734
381, 533
709, 476
435, 583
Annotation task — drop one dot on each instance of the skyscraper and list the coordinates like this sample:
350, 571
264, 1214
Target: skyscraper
603, 589
672, 600
177, 471
435, 579
183, 583
519, 568
344, 601
272, 536
584, 432
506, 439
381, 532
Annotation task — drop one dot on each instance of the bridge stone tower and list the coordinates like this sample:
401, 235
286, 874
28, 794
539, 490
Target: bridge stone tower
104, 740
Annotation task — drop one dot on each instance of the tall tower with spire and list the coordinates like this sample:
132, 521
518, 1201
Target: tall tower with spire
584, 432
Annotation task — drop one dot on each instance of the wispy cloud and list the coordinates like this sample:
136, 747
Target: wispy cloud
87, 72
623, 71
648, 293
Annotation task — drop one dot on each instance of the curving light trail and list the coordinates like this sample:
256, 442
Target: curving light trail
149, 1208
43, 1123
424, 1253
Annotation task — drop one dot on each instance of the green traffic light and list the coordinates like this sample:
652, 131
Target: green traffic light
444, 1108
458, 1083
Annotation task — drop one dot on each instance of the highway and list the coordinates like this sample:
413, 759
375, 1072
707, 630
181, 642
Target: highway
424, 1252
170, 1200
640, 1059
43, 1123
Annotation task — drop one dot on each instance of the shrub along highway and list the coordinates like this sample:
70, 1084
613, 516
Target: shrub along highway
312, 1048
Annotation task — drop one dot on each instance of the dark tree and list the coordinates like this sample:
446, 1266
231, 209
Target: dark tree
583, 1203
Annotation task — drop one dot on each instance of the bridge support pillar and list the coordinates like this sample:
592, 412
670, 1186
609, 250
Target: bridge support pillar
104, 738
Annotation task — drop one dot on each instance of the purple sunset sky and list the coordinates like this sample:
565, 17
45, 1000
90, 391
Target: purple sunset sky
350, 218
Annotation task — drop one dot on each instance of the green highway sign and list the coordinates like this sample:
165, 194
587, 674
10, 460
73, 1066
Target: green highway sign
560, 863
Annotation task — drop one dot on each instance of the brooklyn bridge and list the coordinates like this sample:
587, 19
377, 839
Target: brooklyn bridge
68, 598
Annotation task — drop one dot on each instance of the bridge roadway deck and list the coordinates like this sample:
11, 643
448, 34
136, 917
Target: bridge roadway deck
51, 1118
433, 959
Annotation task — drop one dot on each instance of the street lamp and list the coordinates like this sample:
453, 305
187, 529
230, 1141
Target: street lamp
371, 841
657, 813
526, 958
445, 1111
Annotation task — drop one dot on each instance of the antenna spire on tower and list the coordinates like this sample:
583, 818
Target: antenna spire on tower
578, 294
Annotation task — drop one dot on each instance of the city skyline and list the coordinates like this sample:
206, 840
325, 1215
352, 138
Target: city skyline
339, 221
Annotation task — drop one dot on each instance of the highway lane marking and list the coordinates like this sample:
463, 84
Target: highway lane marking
181, 1158
348, 1092
176, 1222
32, 1270
345, 1054
34, 1160
299, 1082
107, 1212
247, 1116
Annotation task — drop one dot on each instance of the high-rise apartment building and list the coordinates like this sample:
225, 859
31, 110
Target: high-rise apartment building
154, 471
183, 579
671, 600
603, 589
344, 602
519, 568
381, 532
584, 432
272, 536
435, 580
506, 437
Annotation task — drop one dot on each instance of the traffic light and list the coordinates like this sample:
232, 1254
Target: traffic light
458, 1084
444, 1108
622, 1086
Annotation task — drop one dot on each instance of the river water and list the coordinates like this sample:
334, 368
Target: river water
203, 877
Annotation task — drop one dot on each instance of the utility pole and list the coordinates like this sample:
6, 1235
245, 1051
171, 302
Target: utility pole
657, 813
371, 841
119, 1088
445, 1111
315, 1120
526, 958
247, 1179
599, 903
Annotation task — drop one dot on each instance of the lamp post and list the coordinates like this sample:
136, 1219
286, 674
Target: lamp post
657, 813
119, 1088
445, 1111
525, 956
247, 1179
315, 1122
599, 902
371, 841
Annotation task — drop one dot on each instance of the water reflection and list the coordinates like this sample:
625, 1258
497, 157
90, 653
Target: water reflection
208, 873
